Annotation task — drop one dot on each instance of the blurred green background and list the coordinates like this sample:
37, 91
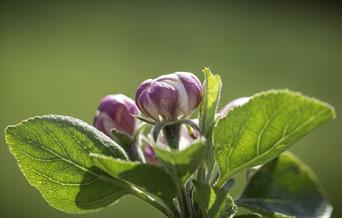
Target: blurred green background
62, 57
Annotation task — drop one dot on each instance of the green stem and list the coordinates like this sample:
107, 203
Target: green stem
201, 174
172, 134
210, 163
184, 203
140, 194
175, 211
214, 174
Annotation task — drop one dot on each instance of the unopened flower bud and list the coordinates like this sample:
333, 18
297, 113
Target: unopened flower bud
149, 154
187, 137
115, 112
169, 97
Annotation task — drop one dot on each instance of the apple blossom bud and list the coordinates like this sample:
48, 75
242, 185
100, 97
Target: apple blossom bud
149, 155
169, 97
187, 137
115, 112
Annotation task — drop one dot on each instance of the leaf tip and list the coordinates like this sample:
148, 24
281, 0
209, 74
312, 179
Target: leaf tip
205, 68
8, 130
332, 110
206, 71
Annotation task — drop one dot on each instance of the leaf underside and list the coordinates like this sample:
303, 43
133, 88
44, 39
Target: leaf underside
152, 179
182, 164
211, 97
53, 151
213, 202
261, 129
286, 185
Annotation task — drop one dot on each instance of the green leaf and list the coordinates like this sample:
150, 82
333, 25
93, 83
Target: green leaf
211, 96
122, 138
53, 153
182, 164
151, 178
267, 214
286, 185
250, 215
261, 129
213, 202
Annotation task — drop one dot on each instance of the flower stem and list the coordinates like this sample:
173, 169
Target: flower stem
152, 201
172, 134
186, 207
140, 194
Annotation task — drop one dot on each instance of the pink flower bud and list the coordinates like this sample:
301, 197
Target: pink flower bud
187, 138
115, 111
150, 156
169, 97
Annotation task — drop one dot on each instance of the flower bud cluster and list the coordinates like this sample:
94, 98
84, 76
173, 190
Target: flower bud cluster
168, 98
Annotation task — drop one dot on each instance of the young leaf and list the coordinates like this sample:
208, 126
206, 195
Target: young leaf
249, 215
213, 202
151, 178
267, 214
182, 164
261, 129
53, 154
286, 185
122, 138
211, 97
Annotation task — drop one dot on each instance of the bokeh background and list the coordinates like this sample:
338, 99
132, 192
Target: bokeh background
62, 57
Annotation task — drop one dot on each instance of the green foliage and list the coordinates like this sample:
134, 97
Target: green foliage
150, 178
250, 215
207, 118
213, 202
286, 185
211, 96
53, 154
78, 169
264, 127
122, 139
182, 164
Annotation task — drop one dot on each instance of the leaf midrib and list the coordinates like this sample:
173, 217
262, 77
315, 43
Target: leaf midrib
39, 144
246, 164
125, 186
71, 163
